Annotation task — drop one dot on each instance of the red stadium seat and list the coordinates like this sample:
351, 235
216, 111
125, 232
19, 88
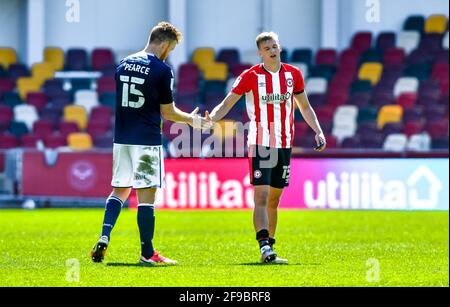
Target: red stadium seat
414, 127
55, 140
349, 59
101, 58
361, 41
106, 85
65, 128
394, 56
29, 140
326, 57
407, 100
42, 127
8, 141
38, 100
6, 86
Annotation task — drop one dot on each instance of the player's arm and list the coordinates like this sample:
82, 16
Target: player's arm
171, 112
310, 117
222, 109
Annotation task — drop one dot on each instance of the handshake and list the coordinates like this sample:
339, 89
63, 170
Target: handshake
199, 122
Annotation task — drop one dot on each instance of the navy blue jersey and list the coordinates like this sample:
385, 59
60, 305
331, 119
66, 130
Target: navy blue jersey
143, 82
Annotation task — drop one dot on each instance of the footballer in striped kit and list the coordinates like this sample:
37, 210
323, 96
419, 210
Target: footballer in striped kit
272, 89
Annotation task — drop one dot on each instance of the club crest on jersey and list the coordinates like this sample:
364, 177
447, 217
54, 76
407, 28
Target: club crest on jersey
257, 174
289, 82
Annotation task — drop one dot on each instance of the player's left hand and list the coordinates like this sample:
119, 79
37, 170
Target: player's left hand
321, 142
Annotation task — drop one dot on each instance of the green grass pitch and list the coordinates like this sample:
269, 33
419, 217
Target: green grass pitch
218, 248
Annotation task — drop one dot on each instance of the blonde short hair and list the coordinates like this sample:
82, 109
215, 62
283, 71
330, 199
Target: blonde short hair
163, 32
265, 36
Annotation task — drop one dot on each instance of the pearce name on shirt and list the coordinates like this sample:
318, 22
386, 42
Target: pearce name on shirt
137, 68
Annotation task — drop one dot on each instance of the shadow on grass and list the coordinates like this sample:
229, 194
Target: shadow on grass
279, 264
138, 265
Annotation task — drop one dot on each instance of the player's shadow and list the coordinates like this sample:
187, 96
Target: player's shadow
138, 265
279, 264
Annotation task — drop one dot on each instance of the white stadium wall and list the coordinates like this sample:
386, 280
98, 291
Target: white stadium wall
12, 27
121, 25
124, 25
392, 15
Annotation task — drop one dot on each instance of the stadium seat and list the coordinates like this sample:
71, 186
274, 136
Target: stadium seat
8, 56
3, 73
17, 128
42, 72
203, 57
76, 114
440, 143
408, 40
389, 114
414, 127
101, 58
238, 69
55, 57
326, 57
103, 141
419, 142
419, 71
87, 99
322, 71
284, 56
361, 41
415, 113
394, 56
360, 99
29, 140
108, 99
66, 128
43, 127
38, 100
349, 59
6, 115
316, 86
395, 142
106, 85
440, 71
79, 141
304, 55
17, 71
229, 56
55, 140
406, 85
371, 71
345, 114
51, 114
440, 56
414, 23
27, 85
351, 143
53, 87
61, 100
392, 128
437, 129
385, 41
6, 86
436, 24
8, 141
407, 100
360, 86
336, 99
367, 127
26, 114
76, 59
215, 71
11, 99
372, 140
431, 42
372, 55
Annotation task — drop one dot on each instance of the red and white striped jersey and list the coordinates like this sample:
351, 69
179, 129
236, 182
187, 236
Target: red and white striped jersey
270, 103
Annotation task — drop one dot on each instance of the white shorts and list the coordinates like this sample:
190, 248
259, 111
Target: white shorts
137, 166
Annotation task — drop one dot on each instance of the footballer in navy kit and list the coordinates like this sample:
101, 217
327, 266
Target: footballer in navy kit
144, 85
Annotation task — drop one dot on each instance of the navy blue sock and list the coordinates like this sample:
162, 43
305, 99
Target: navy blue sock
113, 207
263, 237
146, 223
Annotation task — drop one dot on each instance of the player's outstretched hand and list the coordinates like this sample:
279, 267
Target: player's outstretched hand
204, 123
321, 142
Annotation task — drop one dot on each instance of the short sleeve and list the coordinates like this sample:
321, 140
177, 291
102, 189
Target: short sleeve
299, 83
241, 85
166, 94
